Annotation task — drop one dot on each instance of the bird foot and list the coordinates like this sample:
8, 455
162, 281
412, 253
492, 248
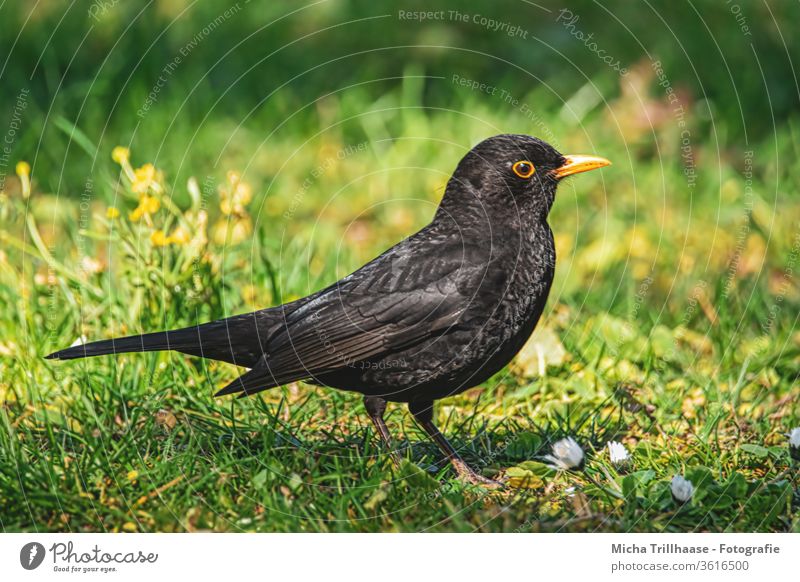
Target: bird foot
467, 475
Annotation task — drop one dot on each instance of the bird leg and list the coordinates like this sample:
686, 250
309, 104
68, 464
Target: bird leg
376, 406
423, 413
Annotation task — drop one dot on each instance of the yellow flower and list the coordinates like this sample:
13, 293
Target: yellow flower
121, 154
232, 231
148, 205
159, 239
146, 178
249, 293
112, 213
179, 237
24, 172
236, 196
200, 238
23, 169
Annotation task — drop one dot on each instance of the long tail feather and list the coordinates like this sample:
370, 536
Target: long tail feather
149, 342
236, 340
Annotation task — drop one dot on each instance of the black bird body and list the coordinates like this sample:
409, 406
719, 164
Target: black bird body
436, 314
472, 312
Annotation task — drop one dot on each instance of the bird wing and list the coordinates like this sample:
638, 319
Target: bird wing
394, 302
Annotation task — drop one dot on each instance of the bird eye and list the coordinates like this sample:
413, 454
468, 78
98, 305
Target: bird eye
523, 169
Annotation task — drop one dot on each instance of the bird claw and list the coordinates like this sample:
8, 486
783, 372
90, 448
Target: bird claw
474, 478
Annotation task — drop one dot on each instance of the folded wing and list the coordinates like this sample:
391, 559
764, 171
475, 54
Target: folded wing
392, 303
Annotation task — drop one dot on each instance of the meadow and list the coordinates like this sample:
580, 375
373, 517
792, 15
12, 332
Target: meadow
672, 326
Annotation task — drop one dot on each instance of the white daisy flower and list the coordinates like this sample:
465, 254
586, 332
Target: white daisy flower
794, 443
567, 454
682, 489
618, 454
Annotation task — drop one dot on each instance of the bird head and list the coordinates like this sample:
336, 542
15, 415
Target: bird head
517, 172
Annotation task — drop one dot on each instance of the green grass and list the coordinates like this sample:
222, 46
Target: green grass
677, 308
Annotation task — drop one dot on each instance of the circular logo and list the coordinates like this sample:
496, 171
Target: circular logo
31, 555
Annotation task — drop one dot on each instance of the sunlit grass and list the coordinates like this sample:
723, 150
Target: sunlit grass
671, 328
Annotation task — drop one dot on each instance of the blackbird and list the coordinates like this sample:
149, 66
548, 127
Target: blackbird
434, 315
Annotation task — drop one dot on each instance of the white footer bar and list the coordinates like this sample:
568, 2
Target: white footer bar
387, 557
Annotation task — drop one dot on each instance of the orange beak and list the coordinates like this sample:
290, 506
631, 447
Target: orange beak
577, 164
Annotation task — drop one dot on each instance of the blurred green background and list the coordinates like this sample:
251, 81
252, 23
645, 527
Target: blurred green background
672, 324
94, 64
684, 97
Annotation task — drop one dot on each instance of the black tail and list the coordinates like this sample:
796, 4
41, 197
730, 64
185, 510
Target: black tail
236, 340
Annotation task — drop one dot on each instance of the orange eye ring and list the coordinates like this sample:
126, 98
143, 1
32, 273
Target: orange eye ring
523, 169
